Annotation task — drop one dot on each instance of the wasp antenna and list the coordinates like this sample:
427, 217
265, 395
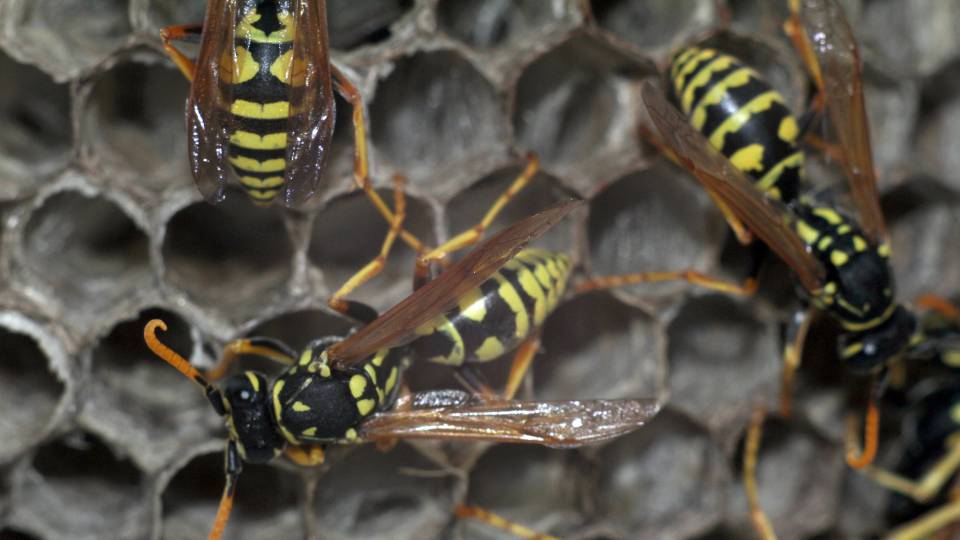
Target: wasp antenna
179, 363
871, 432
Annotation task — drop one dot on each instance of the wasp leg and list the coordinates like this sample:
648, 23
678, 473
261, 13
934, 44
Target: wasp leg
361, 168
474, 234
183, 32
305, 456
232, 466
268, 348
479, 514
938, 304
797, 330
521, 364
928, 486
747, 288
375, 266
856, 458
794, 30
471, 379
742, 232
750, 451
928, 524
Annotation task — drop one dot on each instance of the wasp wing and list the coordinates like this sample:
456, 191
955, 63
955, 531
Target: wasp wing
560, 424
398, 325
767, 218
312, 107
208, 118
835, 49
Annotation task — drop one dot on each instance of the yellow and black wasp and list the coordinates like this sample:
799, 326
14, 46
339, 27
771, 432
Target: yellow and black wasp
738, 127
261, 106
344, 390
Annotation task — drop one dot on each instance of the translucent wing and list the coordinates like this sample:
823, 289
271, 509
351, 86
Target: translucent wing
397, 325
561, 424
208, 121
836, 51
767, 218
312, 109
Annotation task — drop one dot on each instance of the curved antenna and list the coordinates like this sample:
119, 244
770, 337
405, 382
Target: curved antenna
179, 363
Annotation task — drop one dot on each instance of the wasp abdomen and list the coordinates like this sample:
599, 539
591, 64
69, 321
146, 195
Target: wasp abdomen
742, 116
499, 314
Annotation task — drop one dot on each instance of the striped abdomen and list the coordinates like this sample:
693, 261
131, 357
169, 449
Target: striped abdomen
742, 116
495, 317
259, 109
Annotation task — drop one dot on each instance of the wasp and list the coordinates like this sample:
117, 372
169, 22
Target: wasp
348, 390
261, 105
741, 145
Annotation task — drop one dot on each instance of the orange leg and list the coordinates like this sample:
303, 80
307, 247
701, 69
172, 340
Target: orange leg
263, 347
183, 32
750, 452
748, 287
521, 364
792, 356
938, 304
305, 456
856, 458
479, 514
375, 266
361, 168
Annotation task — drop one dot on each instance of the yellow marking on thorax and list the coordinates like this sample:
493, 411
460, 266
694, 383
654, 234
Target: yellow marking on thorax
883, 249
261, 111
828, 214
270, 141
839, 257
824, 243
391, 379
299, 406
278, 411
371, 371
309, 432
859, 327
473, 306
859, 244
358, 385
737, 120
365, 406
715, 95
749, 158
702, 78
807, 233
491, 348
512, 298
351, 434
262, 183
951, 358
852, 349
844, 229
305, 357
254, 381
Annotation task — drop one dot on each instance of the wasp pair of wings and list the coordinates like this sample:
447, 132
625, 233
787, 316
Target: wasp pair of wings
556, 423
834, 57
309, 122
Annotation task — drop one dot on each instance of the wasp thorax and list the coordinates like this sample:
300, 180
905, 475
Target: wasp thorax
249, 418
320, 405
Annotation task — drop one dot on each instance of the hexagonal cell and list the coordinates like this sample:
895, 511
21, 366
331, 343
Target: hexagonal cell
161, 13
433, 113
924, 219
798, 479
88, 251
509, 481
9, 533
911, 38
80, 488
31, 391
654, 24
650, 221
598, 347
758, 16
64, 37
353, 24
576, 107
376, 495
938, 127
721, 358
138, 402
132, 123
231, 256
892, 108
35, 140
469, 206
298, 328
673, 467
265, 506
500, 23
349, 233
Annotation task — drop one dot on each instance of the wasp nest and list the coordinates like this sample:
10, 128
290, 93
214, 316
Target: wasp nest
103, 229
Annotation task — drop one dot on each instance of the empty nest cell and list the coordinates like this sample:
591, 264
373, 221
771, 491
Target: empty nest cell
354, 24
35, 140
229, 256
31, 390
87, 251
654, 24
432, 113
496, 23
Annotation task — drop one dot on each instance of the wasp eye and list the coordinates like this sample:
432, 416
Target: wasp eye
243, 389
